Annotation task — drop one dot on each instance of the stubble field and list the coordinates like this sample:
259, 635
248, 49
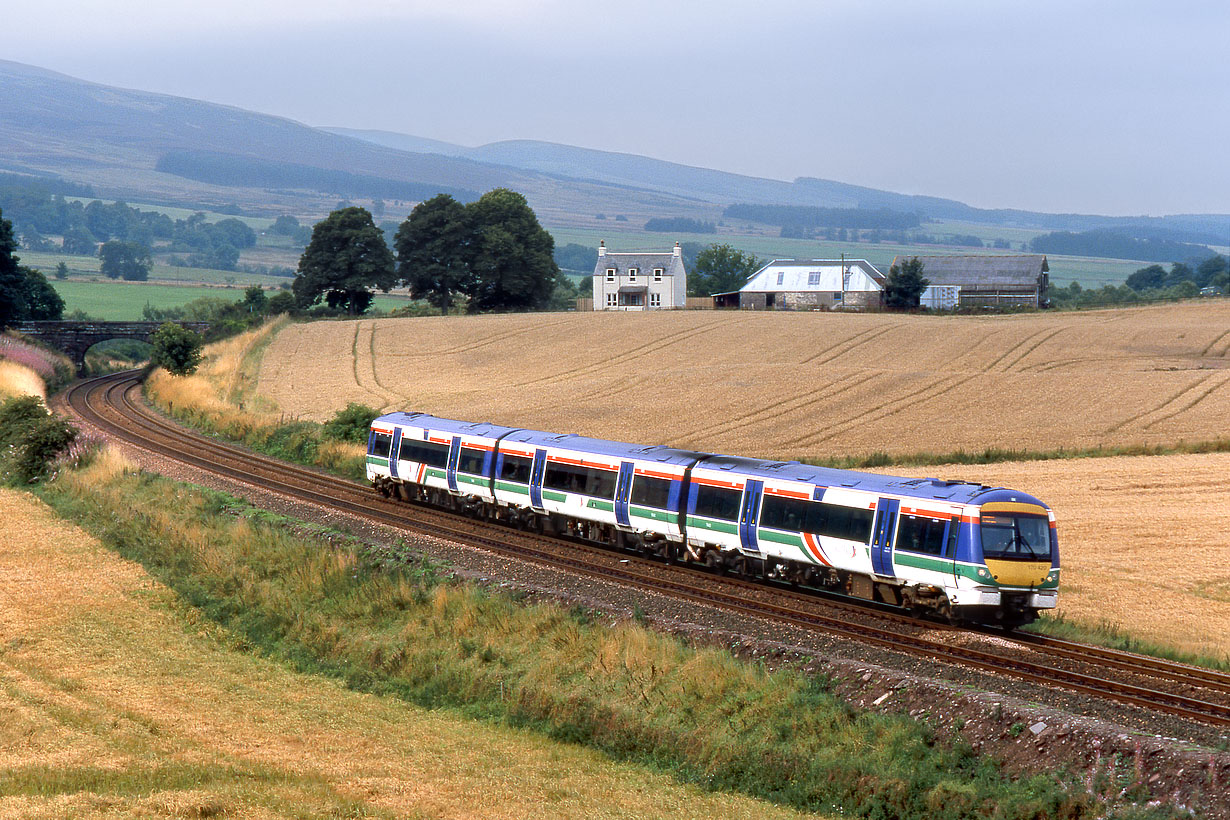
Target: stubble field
1145, 540
118, 700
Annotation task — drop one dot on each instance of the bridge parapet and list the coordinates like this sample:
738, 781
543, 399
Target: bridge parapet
75, 338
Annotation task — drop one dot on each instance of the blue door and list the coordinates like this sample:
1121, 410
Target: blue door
623, 489
540, 465
882, 542
395, 452
454, 455
749, 516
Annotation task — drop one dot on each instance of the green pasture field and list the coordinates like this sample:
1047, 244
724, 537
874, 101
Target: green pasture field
123, 301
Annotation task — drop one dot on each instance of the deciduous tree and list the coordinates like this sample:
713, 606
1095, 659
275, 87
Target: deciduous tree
125, 260
512, 256
433, 249
720, 269
346, 258
176, 348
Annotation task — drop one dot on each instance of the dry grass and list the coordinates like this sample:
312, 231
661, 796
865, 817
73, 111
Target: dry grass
16, 380
116, 700
1145, 541
784, 385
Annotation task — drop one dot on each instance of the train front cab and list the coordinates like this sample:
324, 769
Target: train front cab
1007, 561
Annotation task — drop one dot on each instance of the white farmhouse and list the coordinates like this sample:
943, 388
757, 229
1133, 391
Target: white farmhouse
640, 281
809, 284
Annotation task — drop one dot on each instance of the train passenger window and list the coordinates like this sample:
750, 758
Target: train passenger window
471, 461
424, 452
582, 480
600, 483
718, 502
652, 492
848, 523
788, 514
516, 468
919, 534
381, 444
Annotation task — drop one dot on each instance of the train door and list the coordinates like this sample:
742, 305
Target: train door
749, 515
454, 455
882, 538
536, 472
623, 489
395, 452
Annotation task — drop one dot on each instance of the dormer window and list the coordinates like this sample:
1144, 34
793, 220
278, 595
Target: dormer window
632, 272
610, 274
657, 274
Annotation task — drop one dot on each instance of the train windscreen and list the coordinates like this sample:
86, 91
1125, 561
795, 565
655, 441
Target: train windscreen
1016, 537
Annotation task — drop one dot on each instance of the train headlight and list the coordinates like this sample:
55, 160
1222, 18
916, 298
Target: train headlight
983, 572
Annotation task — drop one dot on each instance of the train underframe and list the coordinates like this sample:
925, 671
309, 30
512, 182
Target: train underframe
921, 600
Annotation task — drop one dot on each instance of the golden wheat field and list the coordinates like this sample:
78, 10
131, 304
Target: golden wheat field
784, 385
117, 700
1145, 540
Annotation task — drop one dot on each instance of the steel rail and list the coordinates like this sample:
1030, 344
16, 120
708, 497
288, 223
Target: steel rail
109, 403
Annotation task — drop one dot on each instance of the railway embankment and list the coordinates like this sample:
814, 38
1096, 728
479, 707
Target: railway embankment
391, 624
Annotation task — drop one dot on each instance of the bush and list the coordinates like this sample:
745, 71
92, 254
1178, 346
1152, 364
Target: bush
176, 348
30, 439
351, 423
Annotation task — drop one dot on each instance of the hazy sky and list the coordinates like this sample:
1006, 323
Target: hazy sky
1106, 107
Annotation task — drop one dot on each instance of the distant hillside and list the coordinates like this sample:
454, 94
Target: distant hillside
158, 148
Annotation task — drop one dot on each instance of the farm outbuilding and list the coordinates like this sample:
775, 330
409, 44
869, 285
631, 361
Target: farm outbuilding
985, 280
809, 284
640, 281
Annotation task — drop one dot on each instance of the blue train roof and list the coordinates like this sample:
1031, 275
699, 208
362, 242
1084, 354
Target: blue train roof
957, 492
457, 428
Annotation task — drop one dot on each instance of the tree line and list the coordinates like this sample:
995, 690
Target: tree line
1113, 244
488, 255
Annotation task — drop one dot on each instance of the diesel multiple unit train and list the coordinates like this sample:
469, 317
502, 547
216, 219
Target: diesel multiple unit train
961, 551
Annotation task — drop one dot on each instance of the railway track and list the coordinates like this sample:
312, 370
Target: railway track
114, 405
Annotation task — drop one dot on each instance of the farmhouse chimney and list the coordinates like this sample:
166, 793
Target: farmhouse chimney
678, 250
601, 248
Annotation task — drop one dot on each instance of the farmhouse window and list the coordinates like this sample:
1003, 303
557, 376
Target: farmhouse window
781, 277
612, 300
655, 300
657, 274
813, 279
610, 274
632, 272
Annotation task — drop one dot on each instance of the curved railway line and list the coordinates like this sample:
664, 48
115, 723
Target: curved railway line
114, 405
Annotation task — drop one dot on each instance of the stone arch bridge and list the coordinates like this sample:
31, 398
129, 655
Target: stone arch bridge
75, 338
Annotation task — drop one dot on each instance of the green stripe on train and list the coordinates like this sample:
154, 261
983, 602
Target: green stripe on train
712, 525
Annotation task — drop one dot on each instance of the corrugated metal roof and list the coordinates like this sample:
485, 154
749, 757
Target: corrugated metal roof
981, 270
814, 275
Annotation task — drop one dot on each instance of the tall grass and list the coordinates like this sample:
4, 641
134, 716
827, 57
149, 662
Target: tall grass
18, 380
220, 399
53, 368
387, 623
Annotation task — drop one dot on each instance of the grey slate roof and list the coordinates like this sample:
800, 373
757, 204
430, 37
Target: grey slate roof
670, 264
982, 270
